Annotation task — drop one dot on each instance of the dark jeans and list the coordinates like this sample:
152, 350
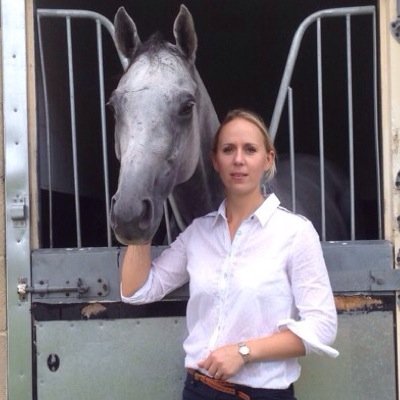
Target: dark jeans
195, 390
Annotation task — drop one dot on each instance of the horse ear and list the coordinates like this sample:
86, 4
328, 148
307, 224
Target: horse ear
126, 36
185, 33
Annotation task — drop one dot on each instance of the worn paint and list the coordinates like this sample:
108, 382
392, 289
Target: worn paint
92, 310
358, 303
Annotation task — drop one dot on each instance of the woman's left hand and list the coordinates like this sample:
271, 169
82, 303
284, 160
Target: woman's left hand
223, 362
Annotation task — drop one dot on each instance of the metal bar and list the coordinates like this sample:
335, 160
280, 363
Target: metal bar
16, 173
351, 131
321, 131
293, 52
178, 217
291, 149
52, 13
73, 133
103, 128
48, 138
43, 288
100, 21
39, 290
376, 128
167, 224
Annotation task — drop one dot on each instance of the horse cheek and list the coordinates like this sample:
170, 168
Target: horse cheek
189, 159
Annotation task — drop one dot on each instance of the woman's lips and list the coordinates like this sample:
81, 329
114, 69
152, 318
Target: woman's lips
238, 175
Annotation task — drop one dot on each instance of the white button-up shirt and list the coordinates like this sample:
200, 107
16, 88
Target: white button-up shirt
271, 276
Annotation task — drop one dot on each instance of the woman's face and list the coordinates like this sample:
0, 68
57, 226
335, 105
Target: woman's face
241, 157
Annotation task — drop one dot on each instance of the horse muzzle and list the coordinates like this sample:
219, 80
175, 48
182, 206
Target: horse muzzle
135, 222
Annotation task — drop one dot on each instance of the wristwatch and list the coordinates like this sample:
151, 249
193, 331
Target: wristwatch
244, 351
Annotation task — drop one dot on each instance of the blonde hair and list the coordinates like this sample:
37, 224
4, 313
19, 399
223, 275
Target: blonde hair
255, 119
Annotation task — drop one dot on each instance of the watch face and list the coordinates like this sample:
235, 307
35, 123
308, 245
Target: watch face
244, 350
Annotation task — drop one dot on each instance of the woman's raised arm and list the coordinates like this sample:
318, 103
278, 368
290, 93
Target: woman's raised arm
135, 268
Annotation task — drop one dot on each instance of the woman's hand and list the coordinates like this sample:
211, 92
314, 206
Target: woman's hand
223, 363
226, 361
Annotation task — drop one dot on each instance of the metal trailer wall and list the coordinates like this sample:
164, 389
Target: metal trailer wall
17, 210
142, 359
3, 302
139, 354
365, 369
373, 263
390, 120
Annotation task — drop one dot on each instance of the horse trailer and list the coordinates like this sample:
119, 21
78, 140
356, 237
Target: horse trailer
324, 75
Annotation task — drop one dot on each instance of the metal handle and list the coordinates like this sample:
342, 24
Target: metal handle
23, 289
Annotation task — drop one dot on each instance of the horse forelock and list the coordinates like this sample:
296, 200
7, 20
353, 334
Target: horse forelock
153, 46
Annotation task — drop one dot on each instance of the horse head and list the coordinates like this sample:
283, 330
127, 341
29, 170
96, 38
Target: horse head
164, 124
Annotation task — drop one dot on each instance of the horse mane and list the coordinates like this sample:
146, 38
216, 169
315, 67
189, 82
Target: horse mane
152, 47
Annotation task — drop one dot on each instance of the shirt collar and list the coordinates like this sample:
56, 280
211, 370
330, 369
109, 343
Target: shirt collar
267, 208
263, 213
220, 213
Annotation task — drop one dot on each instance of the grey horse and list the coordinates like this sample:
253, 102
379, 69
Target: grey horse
164, 126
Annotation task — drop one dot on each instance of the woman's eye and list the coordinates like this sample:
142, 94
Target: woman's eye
227, 150
251, 149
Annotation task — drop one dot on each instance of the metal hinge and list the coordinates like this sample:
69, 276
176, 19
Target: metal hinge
79, 290
18, 211
395, 25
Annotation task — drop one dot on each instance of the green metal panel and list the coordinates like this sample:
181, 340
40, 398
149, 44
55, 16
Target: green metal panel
143, 359
365, 369
356, 266
122, 359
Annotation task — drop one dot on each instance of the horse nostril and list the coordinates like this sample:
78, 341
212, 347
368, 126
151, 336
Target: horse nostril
146, 215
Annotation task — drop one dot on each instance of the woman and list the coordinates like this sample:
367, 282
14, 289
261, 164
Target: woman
259, 291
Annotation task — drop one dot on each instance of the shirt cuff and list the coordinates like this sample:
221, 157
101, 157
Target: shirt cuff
310, 340
140, 296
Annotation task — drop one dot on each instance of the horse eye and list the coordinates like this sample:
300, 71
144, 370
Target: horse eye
186, 108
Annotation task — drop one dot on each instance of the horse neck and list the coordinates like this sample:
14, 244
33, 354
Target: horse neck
209, 123
207, 115
204, 184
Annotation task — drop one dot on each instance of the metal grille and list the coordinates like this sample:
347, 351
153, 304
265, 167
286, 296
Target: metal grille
100, 22
286, 95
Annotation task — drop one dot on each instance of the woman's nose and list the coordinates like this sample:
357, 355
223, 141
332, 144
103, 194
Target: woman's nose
238, 159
